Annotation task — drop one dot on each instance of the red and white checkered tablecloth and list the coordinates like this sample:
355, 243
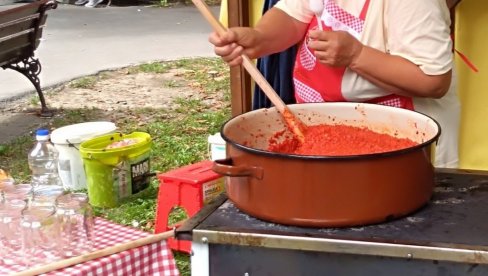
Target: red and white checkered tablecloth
151, 259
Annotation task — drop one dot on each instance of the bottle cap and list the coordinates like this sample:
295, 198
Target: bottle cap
42, 134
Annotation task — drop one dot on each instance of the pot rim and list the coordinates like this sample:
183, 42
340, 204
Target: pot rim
333, 158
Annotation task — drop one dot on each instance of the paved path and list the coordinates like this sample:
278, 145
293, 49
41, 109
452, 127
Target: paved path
79, 41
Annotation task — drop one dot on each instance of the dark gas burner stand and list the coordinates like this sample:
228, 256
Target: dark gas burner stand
449, 236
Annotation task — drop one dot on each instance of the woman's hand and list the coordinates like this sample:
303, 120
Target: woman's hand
234, 43
392, 73
275, 32
335, 48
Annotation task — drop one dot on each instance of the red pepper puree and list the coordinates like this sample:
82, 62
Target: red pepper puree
338, 140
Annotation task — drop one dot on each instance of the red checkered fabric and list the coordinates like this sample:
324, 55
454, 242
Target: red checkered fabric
151, 259
307, 59
306, 93
343, 18
395, 102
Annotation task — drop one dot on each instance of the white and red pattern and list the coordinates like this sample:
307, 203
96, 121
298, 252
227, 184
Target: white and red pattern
307, 94
395, 102
340, 20
307, 59
151, 259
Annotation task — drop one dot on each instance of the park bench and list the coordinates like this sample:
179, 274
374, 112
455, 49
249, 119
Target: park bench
20, 32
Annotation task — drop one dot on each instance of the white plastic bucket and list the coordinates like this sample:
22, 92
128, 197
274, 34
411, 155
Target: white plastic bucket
216, 147
67, 141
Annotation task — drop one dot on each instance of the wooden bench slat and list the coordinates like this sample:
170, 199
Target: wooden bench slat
21, 50
21, 11
9, 42
21, 24
20, 31
15, 35
14, 56
31, 19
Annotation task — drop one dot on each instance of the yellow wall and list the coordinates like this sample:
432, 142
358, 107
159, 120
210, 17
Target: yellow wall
472, 40
255, 8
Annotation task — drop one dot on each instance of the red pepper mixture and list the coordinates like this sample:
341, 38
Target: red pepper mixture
338, 140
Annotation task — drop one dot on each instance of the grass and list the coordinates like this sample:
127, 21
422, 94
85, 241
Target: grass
85, 82
179, 136
154, 67
34, 101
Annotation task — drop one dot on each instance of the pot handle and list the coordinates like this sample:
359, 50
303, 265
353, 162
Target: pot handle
226, 167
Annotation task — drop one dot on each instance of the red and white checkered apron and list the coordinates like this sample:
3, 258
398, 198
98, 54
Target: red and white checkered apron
316, 82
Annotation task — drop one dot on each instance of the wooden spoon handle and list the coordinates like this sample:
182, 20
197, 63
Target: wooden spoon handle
295, 125
247, 63
97, 254
264, 84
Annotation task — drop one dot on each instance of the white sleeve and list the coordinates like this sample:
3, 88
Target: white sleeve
298, 9
418, 30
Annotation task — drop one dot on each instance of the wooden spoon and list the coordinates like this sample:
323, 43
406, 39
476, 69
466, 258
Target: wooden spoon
294, 124
97, 254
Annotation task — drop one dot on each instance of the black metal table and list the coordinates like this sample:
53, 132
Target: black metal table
449, 236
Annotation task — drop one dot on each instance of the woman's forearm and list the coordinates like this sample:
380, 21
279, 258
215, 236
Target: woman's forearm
398, 75
277, 31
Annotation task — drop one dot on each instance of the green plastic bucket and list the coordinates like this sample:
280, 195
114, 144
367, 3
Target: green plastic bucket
115, 173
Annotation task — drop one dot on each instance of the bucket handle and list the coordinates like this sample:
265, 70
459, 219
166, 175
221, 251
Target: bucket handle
71, 145
226, 167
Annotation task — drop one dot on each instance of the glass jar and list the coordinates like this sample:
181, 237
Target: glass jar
18, 191
75, 216
10, 234
40, 235
46, 195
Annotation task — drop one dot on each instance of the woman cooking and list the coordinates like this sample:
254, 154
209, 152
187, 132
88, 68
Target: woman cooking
390, 52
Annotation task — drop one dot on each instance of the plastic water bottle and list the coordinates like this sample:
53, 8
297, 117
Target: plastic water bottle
43, 161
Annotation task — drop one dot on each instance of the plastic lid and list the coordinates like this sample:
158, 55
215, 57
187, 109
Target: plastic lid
78, 133
216, 139
42, 132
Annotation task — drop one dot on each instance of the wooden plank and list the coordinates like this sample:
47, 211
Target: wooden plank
240, 81
17, 30
13, 34
452, 3
25, 20
11, 57
21, 11
10, 41
18, 34
19, 39
14, 30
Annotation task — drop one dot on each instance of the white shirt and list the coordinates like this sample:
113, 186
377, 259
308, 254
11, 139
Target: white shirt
417, 30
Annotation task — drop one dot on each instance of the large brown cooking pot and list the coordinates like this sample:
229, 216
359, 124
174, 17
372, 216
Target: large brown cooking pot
326, 191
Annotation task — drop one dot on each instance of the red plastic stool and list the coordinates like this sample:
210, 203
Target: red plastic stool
189, 187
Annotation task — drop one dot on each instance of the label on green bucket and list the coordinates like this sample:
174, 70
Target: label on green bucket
139, 178
131, 177
121, 181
